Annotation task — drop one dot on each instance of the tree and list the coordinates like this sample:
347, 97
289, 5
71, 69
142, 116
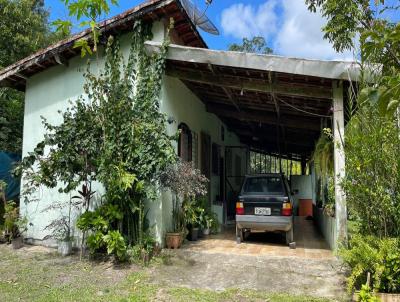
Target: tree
89, 11
372, 182
254, 45
17, 42
349, 20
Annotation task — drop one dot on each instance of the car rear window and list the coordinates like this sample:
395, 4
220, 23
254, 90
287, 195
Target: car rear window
266, 185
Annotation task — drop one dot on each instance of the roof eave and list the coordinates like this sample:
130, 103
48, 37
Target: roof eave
13, 75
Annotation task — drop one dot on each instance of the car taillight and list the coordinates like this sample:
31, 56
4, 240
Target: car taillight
287, 209
239, 208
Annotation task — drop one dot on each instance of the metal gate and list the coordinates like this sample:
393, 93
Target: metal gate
236, 167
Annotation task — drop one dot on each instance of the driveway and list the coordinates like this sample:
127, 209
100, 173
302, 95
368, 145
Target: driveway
263, 262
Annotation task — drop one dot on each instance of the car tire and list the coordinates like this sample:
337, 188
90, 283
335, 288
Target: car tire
289, 236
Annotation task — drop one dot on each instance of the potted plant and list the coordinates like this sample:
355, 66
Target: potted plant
207, 223
174, 238
215, 225
186, 183
61, 231
193, 217
60, 228
14, 225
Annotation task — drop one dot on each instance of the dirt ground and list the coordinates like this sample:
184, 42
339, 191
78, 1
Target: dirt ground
314, 277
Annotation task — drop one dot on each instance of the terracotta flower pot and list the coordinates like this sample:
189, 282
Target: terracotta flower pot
173, 240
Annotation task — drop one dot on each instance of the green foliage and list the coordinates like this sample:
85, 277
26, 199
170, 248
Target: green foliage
11, 119
187, 183
144, 251
178, 217
366, 295
89, 11
73, 152
16, 42
380, 257
372, 182
345, 19
323, 154
14, 224
31, 34
115, 134
115, 244
379, 38
101, 224
193, 213
208, 219
254, 45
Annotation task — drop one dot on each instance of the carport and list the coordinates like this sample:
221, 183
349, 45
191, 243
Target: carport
275, 105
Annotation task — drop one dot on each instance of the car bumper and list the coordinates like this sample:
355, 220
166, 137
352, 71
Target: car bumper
264, 223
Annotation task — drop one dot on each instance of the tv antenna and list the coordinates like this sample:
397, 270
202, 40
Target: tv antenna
198, 17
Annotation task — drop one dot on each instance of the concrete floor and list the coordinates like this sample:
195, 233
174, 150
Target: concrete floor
309, 243
263, 262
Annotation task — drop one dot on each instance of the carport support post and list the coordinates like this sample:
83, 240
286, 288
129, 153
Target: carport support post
339, 163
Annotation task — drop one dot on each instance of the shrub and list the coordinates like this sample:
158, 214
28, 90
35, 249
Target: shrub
367, 295
380, 257
101, 224
372, 182
115, 244
14, 225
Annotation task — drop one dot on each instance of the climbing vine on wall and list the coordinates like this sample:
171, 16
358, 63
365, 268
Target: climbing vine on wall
114, 133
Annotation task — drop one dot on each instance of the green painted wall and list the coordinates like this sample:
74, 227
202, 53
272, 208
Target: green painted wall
180, 103
50, 91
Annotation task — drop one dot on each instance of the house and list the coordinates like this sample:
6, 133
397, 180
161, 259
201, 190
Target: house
225, 104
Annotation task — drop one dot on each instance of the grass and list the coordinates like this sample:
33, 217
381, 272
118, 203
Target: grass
31, 274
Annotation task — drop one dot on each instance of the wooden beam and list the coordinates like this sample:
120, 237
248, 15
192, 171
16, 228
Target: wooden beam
254, 85
61, 60
19, 75
271, 137
292, 149
264, 118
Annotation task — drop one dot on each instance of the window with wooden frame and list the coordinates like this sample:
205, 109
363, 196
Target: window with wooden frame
185, 142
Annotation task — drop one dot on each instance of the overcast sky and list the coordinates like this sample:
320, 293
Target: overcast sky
287, 25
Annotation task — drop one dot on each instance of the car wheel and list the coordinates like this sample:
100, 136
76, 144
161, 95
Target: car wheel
289, 236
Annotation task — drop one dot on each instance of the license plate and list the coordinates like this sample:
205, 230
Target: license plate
262, 211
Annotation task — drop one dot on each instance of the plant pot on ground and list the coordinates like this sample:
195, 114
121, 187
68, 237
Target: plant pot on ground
187, 183
193, 234
193, 217
17, 243
64, 247
15, 225
200, 233
208, 221
173, 240
60, 227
